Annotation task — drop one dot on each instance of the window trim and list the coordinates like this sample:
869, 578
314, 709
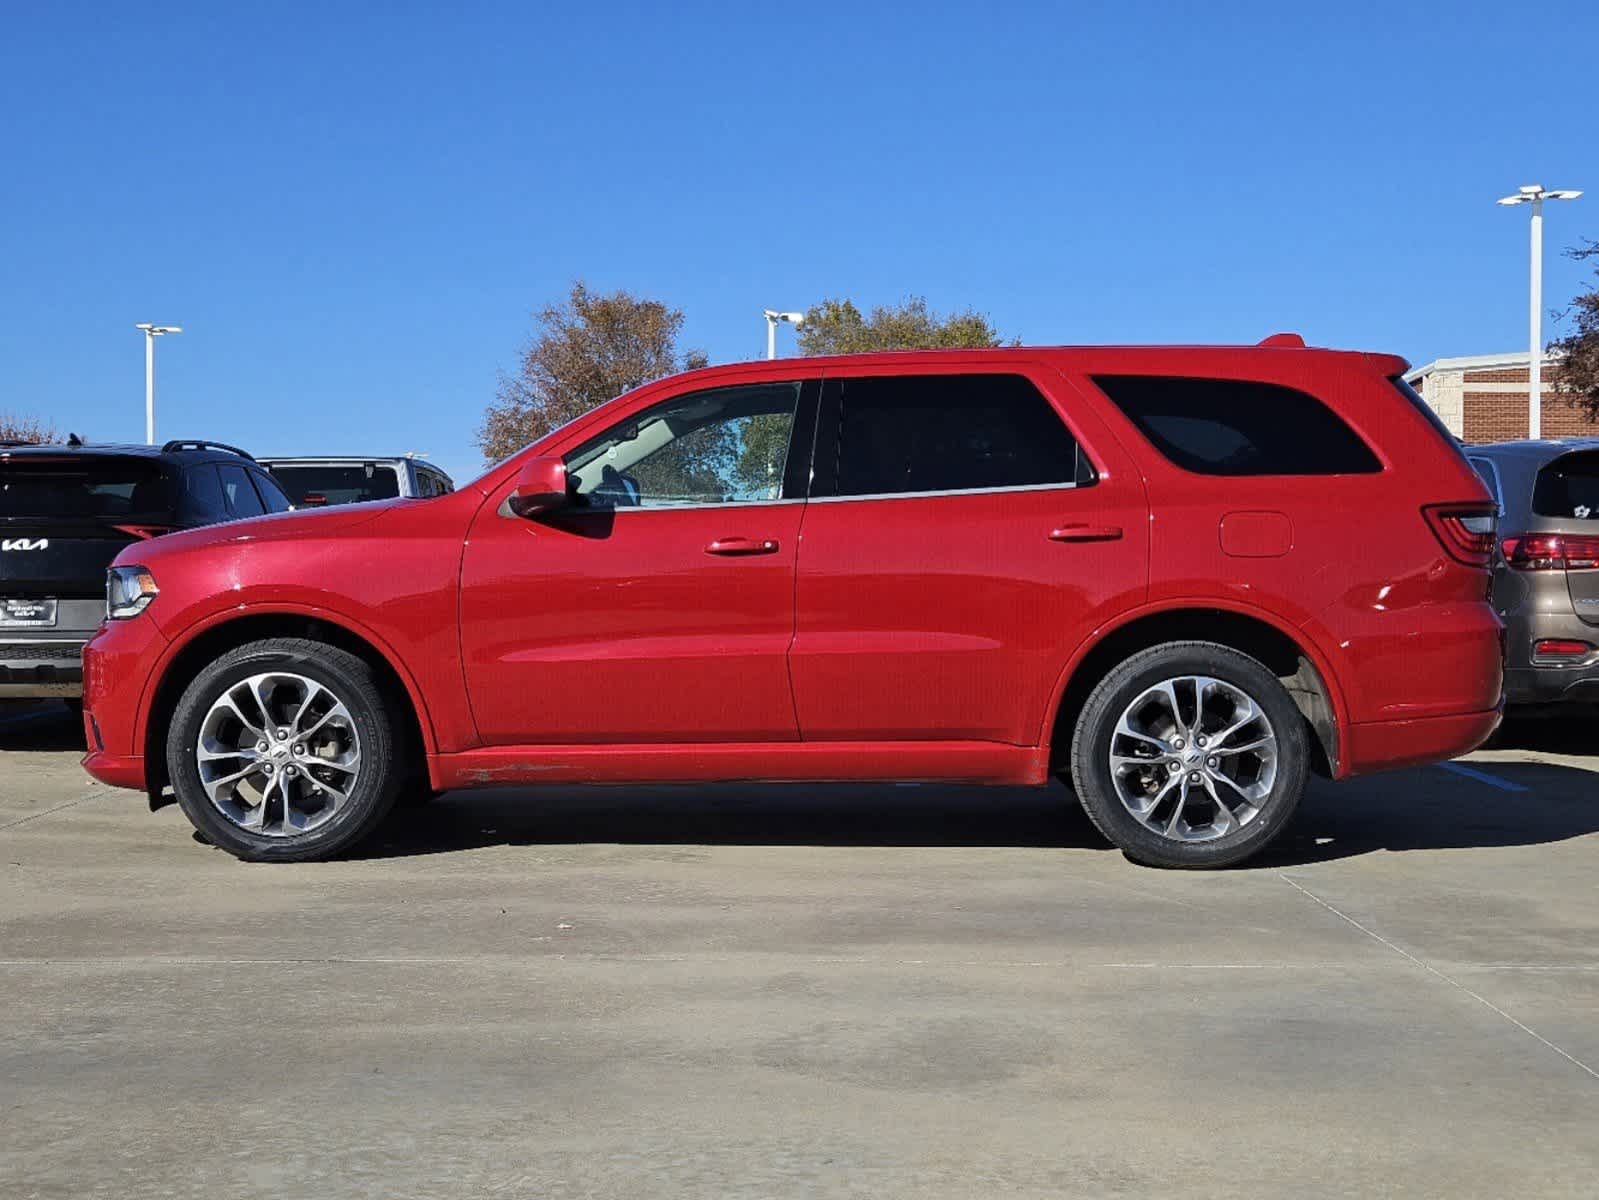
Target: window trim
829, 418
794, 470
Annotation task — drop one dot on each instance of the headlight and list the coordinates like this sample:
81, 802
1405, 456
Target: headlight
128, 592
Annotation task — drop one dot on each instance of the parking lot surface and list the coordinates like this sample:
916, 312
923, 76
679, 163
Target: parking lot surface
864, 991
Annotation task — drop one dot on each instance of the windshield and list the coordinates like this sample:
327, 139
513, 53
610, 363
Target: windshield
83, 488
314, 486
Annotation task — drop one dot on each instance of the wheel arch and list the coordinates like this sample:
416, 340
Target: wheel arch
1287, 654
203, 644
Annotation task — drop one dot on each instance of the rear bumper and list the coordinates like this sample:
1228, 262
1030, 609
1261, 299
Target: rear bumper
1384, 745
1552, 685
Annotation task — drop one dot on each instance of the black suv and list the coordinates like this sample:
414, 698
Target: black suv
65, 512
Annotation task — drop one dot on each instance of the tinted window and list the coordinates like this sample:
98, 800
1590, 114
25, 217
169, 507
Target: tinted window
241, 497
273, 498
313, 486
1236, 427
944, 433
723, 446
201, 502
1489, 474
1568, 488
84, 487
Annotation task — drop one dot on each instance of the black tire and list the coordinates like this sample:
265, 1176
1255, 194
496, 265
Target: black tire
1091, 748
383, 761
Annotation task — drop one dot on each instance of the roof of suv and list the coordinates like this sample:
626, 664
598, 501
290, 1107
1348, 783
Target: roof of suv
1538, 451
180, 450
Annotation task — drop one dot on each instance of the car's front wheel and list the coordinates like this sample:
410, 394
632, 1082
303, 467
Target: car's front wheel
1190, 754
285, 750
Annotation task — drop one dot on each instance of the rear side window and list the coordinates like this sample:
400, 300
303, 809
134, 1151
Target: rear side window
948, 433
272, 496
241, 497
1568, 488
1489, 474
1239, 427
201, 501
91, 488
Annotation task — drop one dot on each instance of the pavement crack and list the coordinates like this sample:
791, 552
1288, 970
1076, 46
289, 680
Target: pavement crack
1434, 971
48, 811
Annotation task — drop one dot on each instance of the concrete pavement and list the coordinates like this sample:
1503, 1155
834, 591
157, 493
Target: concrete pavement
795, 991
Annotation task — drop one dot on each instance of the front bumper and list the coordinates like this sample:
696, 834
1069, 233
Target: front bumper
119, 664
33, 667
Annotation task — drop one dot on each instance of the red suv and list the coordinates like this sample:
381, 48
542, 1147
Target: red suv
1181, 577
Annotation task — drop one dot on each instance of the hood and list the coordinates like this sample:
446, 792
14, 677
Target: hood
274, 527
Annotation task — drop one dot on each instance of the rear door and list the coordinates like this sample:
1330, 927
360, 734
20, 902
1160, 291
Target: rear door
62, 520
964, 532
1565, 500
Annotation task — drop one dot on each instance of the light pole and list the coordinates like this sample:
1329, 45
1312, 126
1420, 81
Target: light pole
151, 332
1535, 194
772, 318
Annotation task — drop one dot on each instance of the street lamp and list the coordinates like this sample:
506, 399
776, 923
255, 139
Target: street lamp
151, 332
1535, 194
772, 318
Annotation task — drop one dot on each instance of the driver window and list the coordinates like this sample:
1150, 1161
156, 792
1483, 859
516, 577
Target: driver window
723, 446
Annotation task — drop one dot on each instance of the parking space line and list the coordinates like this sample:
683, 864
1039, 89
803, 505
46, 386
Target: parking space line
1432, 970
1482, 777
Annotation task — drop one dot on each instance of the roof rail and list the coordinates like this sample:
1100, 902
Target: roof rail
193, 444
1292, 340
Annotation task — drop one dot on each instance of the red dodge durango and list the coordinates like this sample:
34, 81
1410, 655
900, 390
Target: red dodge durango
1182, 578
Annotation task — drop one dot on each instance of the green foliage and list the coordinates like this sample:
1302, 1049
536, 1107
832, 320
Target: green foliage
838, 327
1578, 377
585, 350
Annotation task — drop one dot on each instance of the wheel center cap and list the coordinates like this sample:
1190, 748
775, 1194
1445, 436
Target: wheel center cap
1194, 755
280, 752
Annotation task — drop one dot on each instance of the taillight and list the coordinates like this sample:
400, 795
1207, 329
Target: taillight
1466, 531
1560, 650
1552, 552
143, 532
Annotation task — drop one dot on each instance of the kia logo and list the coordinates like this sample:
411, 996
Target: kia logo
25, 544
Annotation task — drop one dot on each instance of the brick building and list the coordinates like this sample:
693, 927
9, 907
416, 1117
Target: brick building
1484, 398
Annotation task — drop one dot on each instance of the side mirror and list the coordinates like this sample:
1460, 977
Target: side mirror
541, 487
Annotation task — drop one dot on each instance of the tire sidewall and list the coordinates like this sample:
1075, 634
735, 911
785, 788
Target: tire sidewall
1097, 790
343, 675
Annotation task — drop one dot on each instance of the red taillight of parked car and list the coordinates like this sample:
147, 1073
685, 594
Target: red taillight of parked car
1552, 552
143, 532
1560, 650
1466, 531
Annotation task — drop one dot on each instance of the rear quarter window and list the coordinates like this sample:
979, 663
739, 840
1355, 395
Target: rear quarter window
1239, 427
1568, 488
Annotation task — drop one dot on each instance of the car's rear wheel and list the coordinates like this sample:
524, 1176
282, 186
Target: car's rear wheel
1190, 754
285, 750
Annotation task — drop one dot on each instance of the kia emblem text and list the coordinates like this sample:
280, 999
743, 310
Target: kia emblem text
25, 544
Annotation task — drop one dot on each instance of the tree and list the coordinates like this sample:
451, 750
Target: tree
585, 350
1579, 350
15, 428
837, 327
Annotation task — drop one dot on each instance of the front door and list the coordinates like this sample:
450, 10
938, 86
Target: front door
660, 607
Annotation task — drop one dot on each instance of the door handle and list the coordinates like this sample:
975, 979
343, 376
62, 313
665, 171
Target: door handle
742, 546
1086, 533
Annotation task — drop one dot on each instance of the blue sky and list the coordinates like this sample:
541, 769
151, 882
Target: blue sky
353, 208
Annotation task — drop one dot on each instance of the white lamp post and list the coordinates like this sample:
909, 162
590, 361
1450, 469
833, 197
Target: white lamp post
1535, 194
151, 332
772, 318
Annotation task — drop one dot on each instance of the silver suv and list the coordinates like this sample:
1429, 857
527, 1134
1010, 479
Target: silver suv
314, 482
1546, 569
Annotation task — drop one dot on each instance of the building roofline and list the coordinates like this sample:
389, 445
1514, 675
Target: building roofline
1474, 362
